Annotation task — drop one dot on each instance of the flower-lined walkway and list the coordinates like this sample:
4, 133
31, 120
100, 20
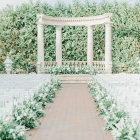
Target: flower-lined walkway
72, 116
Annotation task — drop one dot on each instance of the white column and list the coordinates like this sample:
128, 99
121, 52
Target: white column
59, 45
90, 46
108, 55
40, 50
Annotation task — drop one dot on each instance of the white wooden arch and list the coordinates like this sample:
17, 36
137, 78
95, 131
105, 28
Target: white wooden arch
59, 22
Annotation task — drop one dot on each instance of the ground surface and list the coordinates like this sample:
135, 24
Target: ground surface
17, 87
72, 116
9, 82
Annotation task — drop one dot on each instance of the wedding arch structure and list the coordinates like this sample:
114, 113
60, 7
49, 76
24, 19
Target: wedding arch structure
89, 22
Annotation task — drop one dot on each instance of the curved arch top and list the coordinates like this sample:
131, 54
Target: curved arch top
74, 21
59, 22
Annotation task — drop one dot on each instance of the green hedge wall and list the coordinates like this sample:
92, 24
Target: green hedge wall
18, 34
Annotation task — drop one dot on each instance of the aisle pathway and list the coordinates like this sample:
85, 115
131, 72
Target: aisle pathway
72, 116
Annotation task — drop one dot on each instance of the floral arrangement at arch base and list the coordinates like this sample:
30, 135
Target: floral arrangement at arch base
56, 70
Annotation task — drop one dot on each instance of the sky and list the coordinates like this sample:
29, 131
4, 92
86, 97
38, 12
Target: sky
3, 3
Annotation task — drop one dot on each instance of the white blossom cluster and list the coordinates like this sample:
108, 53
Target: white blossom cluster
17, 88
118, 98
12, 131
25, 114
72, 70
125, 89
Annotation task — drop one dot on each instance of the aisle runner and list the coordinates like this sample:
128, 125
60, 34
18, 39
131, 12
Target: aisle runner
72, 116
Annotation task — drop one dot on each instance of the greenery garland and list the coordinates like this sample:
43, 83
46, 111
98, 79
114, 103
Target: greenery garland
117, 120
26, 114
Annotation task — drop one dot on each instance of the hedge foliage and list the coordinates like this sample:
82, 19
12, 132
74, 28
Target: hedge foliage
18, 34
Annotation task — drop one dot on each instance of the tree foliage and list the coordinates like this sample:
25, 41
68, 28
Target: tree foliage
18, 34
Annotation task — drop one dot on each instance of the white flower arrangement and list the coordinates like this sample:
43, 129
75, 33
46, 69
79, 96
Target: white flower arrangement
72, 70
26, 114
117, 120
10, 130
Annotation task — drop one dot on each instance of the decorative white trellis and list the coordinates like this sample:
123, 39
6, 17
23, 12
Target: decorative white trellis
59, 22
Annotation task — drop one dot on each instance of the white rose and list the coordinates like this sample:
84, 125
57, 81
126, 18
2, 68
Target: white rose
24, 114
14, 136
21, 133
18, 117
11, 131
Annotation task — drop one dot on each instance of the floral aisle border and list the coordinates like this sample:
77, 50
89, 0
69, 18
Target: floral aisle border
56, 70
117, 120
26, 114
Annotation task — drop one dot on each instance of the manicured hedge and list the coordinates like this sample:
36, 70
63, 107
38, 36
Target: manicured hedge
18, 34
